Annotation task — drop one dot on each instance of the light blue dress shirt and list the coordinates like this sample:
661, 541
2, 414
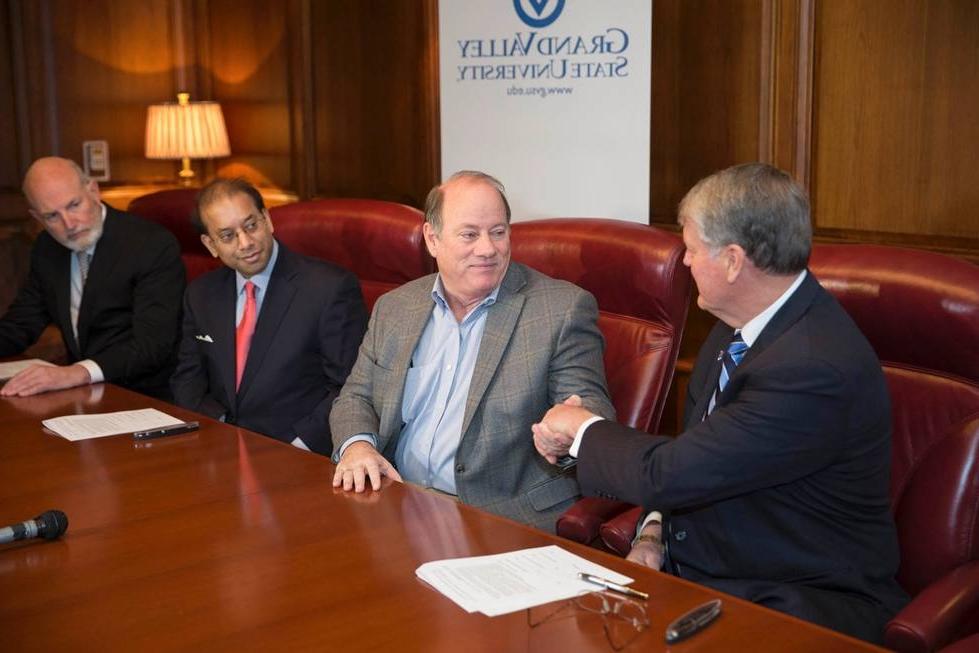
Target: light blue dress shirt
436, 389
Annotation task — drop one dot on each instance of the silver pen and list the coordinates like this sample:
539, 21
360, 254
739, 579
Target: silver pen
614, 587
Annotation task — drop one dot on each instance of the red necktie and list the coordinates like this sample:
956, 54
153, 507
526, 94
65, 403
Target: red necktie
243, 335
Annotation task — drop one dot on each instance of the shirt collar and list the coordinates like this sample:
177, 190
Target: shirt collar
438, 295
261, 280
753, 328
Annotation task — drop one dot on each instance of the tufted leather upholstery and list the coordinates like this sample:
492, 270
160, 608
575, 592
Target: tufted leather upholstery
920, 311
172, 209
380, 242
636, 274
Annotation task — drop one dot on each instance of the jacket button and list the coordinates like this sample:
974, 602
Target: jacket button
460, 468
681, 535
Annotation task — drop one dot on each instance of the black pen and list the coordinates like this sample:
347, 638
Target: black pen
173, 429
693, 621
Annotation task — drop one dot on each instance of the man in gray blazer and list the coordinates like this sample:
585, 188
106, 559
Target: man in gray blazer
456, 366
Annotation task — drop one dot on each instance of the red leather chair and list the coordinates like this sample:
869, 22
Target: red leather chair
636, 274
172, 209
920, 311
380, 242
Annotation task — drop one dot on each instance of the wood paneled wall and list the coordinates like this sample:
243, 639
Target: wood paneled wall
873, 105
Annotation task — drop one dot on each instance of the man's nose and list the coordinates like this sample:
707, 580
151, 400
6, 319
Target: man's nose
484, 245
69, 220
245, 240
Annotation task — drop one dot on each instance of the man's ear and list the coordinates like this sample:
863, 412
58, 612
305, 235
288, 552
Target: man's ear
209, 244
93, 189
734, 260
431, 239
268, 218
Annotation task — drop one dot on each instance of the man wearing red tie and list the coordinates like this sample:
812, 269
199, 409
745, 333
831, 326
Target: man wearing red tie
269, 339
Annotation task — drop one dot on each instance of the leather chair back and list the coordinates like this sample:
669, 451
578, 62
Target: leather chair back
637, 276
172, 208
380, 242
920, 312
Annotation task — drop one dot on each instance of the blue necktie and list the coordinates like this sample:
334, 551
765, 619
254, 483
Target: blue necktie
731, 358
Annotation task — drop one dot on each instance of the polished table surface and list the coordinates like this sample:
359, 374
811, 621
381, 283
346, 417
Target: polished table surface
226, 540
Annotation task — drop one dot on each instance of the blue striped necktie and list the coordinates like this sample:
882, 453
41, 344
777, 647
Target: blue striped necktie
731, 358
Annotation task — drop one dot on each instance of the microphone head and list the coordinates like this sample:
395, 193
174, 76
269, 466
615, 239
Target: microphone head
51, 524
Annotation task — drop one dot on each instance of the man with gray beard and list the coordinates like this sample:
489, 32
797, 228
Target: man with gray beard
110, 281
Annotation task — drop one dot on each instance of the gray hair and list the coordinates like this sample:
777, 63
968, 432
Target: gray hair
758, 207
433, 203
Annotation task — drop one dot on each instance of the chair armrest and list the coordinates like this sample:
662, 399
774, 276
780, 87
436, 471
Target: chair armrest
941, 613
581, 521
618, 532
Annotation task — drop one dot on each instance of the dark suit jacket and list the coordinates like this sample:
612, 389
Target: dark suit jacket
781, 494
310, 326
129, 317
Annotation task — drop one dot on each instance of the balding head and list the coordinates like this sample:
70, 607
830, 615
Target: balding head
65, 201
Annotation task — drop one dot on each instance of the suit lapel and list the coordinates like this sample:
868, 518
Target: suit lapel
501, 320
61, 267
225, 302
710, 383
278, 296
414, 316
107, 253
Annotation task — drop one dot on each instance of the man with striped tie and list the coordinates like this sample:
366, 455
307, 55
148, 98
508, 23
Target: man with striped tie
109, 280
777, 491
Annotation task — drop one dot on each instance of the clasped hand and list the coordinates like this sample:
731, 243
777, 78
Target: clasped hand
554, 434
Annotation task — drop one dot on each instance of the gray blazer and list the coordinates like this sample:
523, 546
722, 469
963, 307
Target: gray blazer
540, 345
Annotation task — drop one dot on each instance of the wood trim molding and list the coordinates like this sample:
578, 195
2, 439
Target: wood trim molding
802, 169
301, 94
767, 81
434, 117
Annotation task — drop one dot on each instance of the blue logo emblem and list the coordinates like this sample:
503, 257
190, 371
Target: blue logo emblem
538, 7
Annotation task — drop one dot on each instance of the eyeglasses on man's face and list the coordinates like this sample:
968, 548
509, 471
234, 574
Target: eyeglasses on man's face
249, 226
623, 619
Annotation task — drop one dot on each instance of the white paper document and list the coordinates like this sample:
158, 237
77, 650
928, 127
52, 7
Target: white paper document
508, 582
11, 369
83, 427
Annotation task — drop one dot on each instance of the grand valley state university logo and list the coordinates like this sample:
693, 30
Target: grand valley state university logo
546, 11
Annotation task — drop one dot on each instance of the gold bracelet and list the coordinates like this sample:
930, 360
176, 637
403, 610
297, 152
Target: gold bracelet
649, 538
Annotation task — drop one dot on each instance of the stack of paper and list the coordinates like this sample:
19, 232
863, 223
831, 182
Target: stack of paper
83, 427
508, 582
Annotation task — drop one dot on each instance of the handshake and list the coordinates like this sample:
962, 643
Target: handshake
555, 433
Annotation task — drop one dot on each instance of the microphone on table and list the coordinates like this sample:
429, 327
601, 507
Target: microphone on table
50, 525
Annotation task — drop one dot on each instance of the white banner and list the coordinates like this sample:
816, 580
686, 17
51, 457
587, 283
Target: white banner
552, 98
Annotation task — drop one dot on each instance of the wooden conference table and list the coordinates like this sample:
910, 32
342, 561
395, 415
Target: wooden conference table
226, 540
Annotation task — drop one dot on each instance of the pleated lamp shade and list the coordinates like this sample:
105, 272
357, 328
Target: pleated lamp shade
186, 130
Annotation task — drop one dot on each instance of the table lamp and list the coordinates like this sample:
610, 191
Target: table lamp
186, 130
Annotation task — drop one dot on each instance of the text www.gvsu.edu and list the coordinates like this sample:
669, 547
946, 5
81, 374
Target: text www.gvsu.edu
539, 91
